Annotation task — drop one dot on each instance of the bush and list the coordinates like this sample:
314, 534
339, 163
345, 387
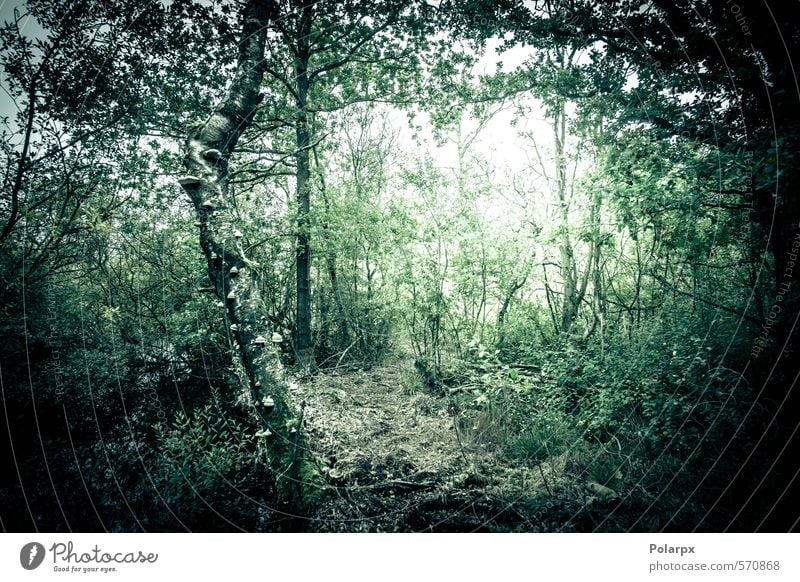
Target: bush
210, 471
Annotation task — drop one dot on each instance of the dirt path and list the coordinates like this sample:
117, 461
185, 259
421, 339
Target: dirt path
395, 461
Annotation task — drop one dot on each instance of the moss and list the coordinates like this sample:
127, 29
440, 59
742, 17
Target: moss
300, 489
312, 483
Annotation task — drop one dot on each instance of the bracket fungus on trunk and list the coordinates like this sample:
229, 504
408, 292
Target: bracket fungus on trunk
268, 403
238, 292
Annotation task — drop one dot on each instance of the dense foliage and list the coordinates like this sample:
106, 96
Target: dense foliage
610, 301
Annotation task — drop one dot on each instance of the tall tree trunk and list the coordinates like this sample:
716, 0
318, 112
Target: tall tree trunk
598, 308
233, 276
343, 332
304, 346
571, 301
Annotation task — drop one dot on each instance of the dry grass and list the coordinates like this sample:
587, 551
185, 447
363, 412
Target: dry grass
397, 460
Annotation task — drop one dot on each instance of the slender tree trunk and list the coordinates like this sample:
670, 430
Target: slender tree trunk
572, 299
548, 293
330, 262
598, 308
303, 341
233, 276
501, 315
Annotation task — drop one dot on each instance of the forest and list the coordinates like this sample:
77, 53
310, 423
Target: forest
399, 266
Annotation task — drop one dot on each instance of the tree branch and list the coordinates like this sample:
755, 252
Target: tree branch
708, 302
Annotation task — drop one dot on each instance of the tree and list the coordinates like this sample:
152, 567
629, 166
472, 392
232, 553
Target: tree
719, 76
233, 275
86, 257
355, 171
562, 85
340, 53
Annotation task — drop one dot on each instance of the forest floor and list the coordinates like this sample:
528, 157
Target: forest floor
398, 458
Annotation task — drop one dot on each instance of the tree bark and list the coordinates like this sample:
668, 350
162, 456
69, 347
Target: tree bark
233, 276
304, 346
572, 295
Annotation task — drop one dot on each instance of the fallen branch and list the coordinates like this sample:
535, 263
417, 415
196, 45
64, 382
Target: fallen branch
399, 484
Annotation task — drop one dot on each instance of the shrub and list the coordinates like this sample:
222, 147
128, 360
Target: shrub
210, 471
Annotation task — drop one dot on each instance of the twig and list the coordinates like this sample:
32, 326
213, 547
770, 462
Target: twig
403, 485
544, 479
347, 349
458, 439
